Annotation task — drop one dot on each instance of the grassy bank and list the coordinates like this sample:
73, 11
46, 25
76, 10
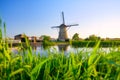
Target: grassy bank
107, 43
92, 43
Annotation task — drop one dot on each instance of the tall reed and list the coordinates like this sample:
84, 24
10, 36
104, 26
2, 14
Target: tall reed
27, 65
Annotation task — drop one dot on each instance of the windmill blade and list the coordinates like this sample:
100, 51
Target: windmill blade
72, 25
55, 27
63, 17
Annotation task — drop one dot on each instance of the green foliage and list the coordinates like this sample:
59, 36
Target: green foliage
75, 36
92, 43
46, 38
4, 30
0, 29
93, 38
26, 64
46, 41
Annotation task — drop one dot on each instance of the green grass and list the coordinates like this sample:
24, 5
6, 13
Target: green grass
106, 43
27, 65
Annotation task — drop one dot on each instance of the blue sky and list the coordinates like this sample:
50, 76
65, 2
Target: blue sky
36, 17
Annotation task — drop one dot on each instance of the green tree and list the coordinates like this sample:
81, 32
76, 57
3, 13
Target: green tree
46, 38
93, 37
75, 36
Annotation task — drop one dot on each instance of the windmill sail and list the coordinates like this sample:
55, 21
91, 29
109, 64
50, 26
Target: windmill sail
63, 17
55, 27
72, 25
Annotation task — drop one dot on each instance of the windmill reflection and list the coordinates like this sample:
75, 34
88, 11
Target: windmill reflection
63, 47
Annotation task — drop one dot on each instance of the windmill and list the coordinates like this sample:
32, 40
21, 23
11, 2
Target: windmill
63, 29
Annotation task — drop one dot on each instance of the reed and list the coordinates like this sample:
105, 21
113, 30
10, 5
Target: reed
27, 65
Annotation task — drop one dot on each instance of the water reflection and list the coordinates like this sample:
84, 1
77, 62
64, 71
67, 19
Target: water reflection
35, 45
63, 47
59, 48
44, 50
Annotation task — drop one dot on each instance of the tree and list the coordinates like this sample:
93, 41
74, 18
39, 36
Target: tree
46, 38
93, 38
75, 36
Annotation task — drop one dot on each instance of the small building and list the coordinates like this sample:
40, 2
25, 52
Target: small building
20, 37
33, 39
39, 39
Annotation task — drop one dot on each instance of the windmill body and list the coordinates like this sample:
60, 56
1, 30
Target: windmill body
63, 30
63, 33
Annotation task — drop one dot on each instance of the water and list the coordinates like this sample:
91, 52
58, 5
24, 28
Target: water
67, 49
